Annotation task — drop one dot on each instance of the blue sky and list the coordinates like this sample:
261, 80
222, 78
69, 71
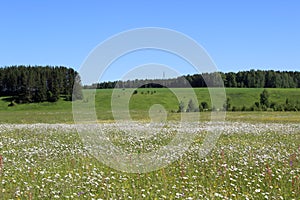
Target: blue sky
238, 35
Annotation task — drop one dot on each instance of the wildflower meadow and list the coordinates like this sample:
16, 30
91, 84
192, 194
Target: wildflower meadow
249, 161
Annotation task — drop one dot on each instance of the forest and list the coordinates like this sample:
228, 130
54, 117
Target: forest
242, 79
27, 84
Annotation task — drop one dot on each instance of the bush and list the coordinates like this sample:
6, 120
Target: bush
234, 108
180, 107
11, 104
264, 107
54, 97
264, 99
244, 108
204, 105
191, 107
227, 104
200, 108
290, 107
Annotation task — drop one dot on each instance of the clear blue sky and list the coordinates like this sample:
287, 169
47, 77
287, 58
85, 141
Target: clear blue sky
238, 35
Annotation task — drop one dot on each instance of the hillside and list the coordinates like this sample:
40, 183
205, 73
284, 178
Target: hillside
61, 111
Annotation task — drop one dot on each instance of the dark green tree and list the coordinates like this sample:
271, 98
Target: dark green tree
227, 104
27, 84
231, 80
204, 105
180, 107
264, 98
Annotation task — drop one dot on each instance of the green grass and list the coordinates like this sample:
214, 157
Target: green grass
46, 112
247, 96
140, 103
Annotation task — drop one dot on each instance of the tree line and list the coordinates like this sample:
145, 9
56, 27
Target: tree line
242, 79
26, 84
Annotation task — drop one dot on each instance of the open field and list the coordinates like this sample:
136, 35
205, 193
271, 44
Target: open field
143, 100
250, 161
256, 157
61, 111
29, 117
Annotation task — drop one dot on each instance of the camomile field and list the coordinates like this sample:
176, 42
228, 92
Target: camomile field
256, 155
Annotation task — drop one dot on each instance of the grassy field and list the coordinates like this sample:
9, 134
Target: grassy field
140, 103
239, 97
46, 112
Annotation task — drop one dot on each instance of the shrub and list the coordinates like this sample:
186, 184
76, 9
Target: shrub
200, 108
191, 107
204, 105
234, 108
244, 108
180, 107
264, 99
11, 104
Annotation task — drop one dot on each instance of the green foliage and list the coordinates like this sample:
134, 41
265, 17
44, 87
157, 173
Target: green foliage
227, 104
181, 107
11, 104
204, 105
264, 99
234, 108
29, 84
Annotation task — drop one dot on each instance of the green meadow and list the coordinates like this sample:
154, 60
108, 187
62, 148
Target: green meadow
140, 103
